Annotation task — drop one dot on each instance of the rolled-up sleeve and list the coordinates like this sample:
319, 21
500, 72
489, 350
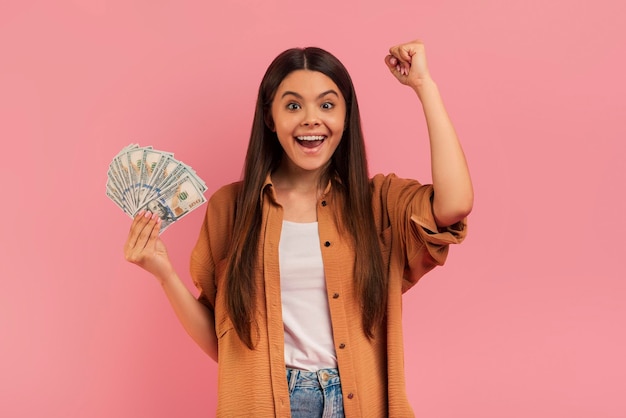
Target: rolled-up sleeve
425, 228
202, 267
408, 207
208, 258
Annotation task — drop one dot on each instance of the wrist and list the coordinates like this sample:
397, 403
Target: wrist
424, 87
166, 277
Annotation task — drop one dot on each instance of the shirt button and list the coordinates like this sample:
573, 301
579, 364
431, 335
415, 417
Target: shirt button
342, 346
336, 295
350, 395
323, 203
327, 244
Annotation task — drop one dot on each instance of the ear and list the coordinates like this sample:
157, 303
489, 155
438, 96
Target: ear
269, 122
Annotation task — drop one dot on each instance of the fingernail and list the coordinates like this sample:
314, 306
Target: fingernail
398, 68
147, 214
141, 212
154, 216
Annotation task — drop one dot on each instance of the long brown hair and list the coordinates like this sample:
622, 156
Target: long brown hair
348, 173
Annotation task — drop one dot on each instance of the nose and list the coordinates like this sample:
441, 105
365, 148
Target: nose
311, 118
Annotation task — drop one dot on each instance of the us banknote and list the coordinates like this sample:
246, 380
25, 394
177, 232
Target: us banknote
144, 178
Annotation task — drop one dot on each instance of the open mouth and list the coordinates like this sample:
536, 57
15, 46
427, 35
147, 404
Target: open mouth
310, 141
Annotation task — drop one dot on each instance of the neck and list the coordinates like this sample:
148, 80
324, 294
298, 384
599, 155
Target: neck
298, 180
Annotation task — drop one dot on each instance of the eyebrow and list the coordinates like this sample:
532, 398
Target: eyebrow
293, 93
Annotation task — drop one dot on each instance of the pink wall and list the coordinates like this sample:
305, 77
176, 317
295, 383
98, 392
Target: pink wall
526, 319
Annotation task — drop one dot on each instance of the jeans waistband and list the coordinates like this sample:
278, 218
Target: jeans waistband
321, 378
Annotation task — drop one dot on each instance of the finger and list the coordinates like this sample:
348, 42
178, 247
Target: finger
139, 223
391, 62
132, 234
396, 67
401, 53
146, 232
143, 240
154, 232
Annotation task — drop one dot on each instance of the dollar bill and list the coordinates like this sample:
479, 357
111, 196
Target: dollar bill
175, 202
144, 178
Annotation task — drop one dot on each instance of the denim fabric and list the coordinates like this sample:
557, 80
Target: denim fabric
315, 394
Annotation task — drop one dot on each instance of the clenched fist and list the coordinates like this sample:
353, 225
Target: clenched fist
407, 62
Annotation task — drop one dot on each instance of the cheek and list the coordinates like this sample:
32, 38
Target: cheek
283, 134
338, 123
340, 120
282, 130
285, 124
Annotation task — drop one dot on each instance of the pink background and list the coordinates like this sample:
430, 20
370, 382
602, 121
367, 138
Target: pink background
528, 317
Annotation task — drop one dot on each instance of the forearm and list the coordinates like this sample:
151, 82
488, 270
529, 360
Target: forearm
454, 194
196, 318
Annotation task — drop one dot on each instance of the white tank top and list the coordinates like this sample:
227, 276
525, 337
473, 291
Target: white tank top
306, 318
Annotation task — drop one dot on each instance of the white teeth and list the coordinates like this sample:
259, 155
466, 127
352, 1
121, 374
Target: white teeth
311, 138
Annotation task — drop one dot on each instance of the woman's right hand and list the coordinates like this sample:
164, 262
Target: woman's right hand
144, 247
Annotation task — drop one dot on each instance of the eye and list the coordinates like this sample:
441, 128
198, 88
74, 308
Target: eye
293, 106
327, 105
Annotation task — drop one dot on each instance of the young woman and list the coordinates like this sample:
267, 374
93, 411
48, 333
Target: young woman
301, 266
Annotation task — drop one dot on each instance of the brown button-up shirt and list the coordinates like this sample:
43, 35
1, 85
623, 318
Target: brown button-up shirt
252, 383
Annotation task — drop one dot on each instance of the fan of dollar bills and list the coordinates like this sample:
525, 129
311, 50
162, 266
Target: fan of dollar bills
145, 178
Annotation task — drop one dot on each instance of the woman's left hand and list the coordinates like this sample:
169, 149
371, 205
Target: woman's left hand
407, 62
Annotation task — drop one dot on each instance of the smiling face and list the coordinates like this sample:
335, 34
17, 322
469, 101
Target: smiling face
308, 113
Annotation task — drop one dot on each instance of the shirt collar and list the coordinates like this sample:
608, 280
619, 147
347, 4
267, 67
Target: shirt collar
269, 186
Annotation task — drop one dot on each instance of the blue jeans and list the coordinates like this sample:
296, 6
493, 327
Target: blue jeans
315, 394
